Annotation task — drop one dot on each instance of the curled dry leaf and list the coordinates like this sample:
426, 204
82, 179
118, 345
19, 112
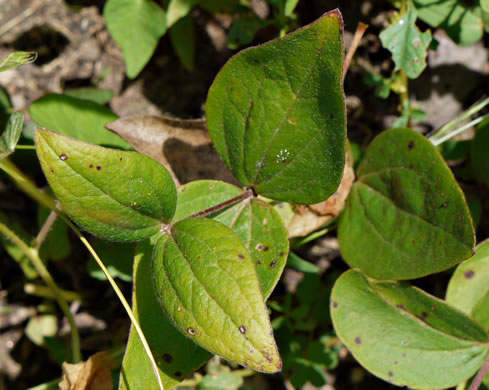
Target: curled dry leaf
312, 217
183, 146
94, 374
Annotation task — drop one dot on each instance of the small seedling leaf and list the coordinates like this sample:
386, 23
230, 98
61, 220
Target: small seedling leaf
77, 118
255, 222
408, 45
11, 134
276, 114
405, 336
137, 26
468, 289
118, 195
206, 283
406, 216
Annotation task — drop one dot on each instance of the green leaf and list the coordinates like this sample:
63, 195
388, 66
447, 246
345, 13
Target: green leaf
462, 22
137, 26
97, 95
11, 135
221, 381
77, 118
206, 283
176, 355
409, 47
405, 336
183, 41
178, 9
276, 114
468, 289
406, 216
117, 195
244, 29
290, 7
484, 5
255, 222
478, 152
17, 59
301, 265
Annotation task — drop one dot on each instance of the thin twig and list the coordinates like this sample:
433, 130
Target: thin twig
480, 375
353, 46
245, 195
33, 255
48, 224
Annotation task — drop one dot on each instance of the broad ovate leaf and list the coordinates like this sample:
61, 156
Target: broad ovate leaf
254, 221
405, 336
408, 45
207, 285
77, 118
117, 195
468, 289
176, 356
276, 114
137, 26
406, 216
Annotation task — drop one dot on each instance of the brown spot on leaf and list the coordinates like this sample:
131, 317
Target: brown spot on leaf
120, 159
167, 358
331, 116
469, 274
241, 256
266, 249
281, 254
99, 167
242, 329
273, 264
401, 306
191, 331
258, 262
178, 373
411, 145
424, 314
390, 373
179, 309
335, 304
90, 166
358, 340
292, 121
259, 247
395, 362
63, 157
444, 205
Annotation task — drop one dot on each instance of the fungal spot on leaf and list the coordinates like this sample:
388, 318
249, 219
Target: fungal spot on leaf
335, 304
331, 116
90, 166
401, 306
411, 145
179, 309
242, 329
259, 247
241, 256
178, 373
211, 186
120, 159
258, 262
444, 205
273, 264
424, 314
292, 121
416, 42
99, 167
266, 249
51, 171
358, 340
281, 254
469, 274
191, 331
167, 358
395, 362
404, 343
63, 157
390, 373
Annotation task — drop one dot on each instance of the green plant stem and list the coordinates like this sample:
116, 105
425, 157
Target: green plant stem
46, 292
30, 189
33, 255
480, 375
211, 210
45, 229
26, 185
457, 131
25, 147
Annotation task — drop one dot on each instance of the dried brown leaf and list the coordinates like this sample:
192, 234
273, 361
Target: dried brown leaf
184, 147
94, 374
